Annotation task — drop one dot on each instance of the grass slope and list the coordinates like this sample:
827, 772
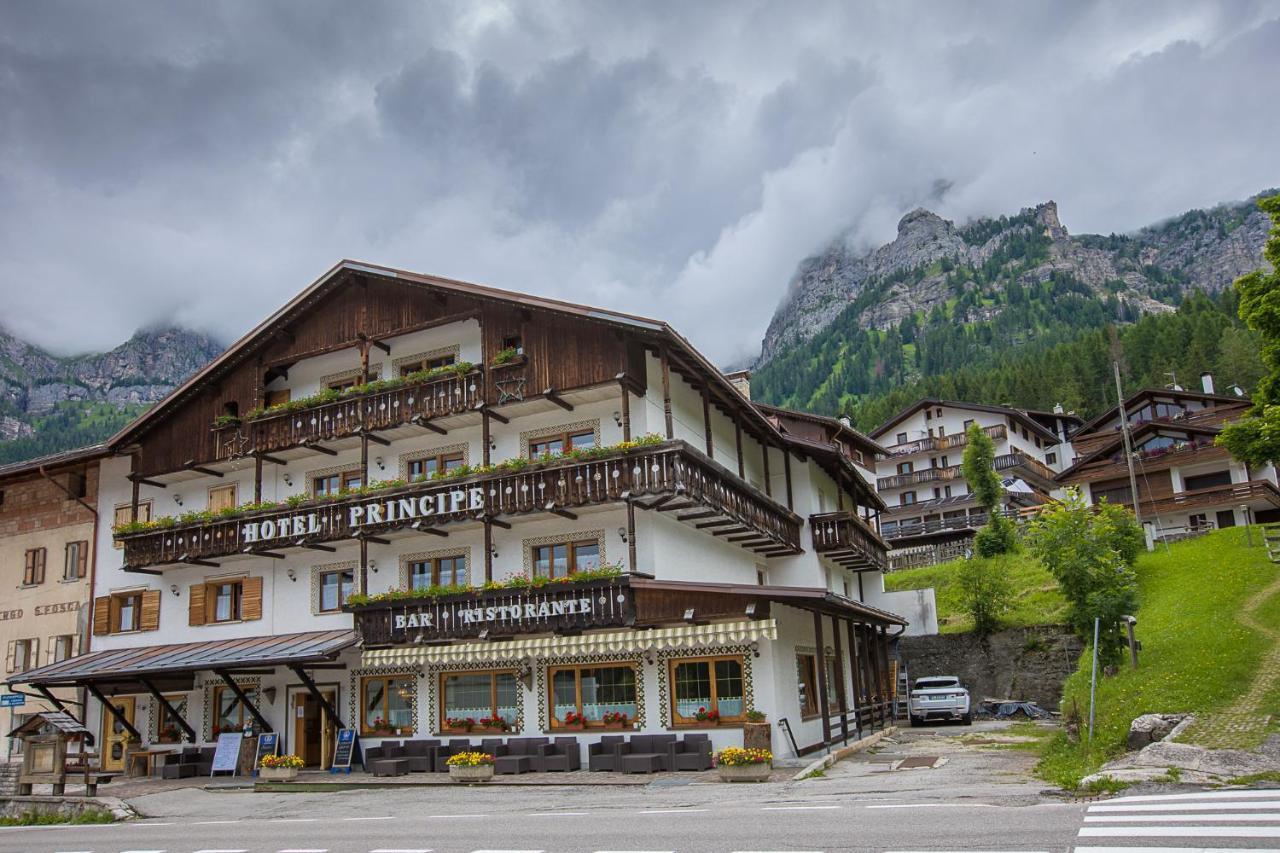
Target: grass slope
1036, 600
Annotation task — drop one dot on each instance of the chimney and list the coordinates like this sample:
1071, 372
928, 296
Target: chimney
1206, 382
740, 379
1057, 409
846, 423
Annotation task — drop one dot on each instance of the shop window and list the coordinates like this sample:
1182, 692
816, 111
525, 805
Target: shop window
230, 714
33, 572
62, 647
807, 681
168, 730
276, 398
426, 467
386, 703
335, 587
332, 484
561, 559
438, 571
477, 695
222, 498
76, 565
591, 692
561, 443
710, 687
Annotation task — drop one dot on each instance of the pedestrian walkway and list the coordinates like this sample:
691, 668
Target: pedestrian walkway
1247, 818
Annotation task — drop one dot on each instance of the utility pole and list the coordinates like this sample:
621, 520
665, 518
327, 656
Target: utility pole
1093, 677
1128, 444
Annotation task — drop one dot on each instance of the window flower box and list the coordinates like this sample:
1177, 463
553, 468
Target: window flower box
616, 721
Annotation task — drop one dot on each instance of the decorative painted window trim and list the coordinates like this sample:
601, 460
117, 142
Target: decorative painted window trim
664, 675
557, 429
454, 350
154, 710
327, 472
434, 672
354, 694
375, 372
630, 658
463, 551
426, 453
527, 545
209, 687
316, 571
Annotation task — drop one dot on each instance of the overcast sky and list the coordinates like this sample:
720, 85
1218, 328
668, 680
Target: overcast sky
201, 162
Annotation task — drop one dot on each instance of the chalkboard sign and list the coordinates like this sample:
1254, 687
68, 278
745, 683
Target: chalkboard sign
268, 744
344, 752
227, 755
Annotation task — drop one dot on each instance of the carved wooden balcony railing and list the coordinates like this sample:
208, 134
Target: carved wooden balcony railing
668, 476
944, 442
915, 478
849, 541
893, 532
1015, 460
1022, 463
347, 417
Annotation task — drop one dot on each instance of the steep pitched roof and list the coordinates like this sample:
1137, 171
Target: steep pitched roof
1017, 414
1149, 392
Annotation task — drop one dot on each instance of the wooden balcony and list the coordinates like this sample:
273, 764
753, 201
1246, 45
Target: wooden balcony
930, 444
1258, 494
847, 540
1015, 461
924, 475
403, 406
671, 477
932, 527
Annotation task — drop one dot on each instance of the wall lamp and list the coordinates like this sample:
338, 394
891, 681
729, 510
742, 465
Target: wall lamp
293, 575
617, 418
177, 499
377, 460
622, 533
373, 566
173, 588
494, 551
288, 480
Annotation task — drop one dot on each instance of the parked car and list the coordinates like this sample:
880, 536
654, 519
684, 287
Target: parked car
939, 697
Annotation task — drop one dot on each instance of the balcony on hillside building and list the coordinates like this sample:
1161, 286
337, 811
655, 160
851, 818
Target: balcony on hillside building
669, 477
849, 541
933, 443
1016, 462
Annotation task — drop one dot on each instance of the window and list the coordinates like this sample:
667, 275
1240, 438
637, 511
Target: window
77, 485
1051, 458
167, 728
592, 692
427, 364
1112, 491
904, 467
968, 424
1198, 521
513, 342
276, 398
428, 466
937, 493
62, 647
945, 464
386, 704
902, 438
33, 573
807, 681
22, 655
1206, 481
77, 561
562, 559
335, 587
126, 610
124, 514
332, 484
762, 576
946, 490
222, 498
438, 571
230, 714
562, 442
906, 499
477, 695
223, 600
344, 384
928, 414
708, 686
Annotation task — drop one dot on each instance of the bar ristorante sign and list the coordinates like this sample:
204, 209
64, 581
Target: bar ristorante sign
565, 607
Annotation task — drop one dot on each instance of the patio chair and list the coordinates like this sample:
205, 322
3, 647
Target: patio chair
603, 754
691, 753
421, 755
562, 755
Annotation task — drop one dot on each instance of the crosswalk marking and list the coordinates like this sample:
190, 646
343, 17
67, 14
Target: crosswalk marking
1244, 794
1212, 805
1181, 831
1182, 818
1127, 849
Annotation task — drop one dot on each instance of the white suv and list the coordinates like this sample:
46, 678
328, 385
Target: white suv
939, 697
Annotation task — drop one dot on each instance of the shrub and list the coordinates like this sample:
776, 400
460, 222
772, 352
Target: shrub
985, 593
998, 536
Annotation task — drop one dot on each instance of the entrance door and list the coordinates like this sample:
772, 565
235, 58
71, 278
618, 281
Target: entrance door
1226, 518
115, 738
313, 732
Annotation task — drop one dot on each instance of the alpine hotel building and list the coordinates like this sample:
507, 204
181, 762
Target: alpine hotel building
403, 501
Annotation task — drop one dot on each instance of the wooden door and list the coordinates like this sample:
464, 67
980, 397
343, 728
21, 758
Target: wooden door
115, 737
313, 731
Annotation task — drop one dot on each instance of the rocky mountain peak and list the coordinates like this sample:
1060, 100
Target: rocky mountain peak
1046, 216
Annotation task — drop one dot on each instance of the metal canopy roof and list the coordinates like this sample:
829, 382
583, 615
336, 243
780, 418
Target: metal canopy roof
144, 661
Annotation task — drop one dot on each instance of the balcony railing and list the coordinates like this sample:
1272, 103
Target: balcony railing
846, 539
349, 416
915, 478
930, 444
1228, 495
672, 470
972, 521
1017, 459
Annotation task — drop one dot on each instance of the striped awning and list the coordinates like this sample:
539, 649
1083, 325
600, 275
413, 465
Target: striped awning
638, 641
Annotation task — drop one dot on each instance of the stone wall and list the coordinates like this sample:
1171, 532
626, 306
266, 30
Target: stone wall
1021, 663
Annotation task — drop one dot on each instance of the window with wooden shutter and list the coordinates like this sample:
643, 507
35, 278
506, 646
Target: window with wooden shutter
195, 605
251, 599
10, 656
149, 620
102, 616
222, 498
33, 573
77, 563
276, 398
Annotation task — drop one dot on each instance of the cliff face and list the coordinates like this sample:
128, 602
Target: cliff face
1204, 249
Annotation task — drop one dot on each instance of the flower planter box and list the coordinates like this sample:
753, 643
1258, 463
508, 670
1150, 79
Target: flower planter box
490, 730
745, 772
277, 774
571, 727
617, 727
518, 361
479, 773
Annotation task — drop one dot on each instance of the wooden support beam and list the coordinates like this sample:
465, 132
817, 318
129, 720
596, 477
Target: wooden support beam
660, 502
374, 539
563, 513
750, 537
485, 439
364, 565
376, 439
374, 342
693, 516
488, 549
334, 717
200, 469
138, 479
426, 424
706, 422
626, 407
502, 419
272, 554
497, 522
786, 467
666, 391
820, 662
274, 460
173, 712
257, 479
631, 534
113, 710
156, 572
424, 528
737, 440
315, 546
192, 561
688, 504
841, 700
720, 523
731, 531
244, 699
764, 452
550, 394
318, 448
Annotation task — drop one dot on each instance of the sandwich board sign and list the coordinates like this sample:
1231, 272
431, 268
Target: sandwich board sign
268, 744
226, 757
345, 750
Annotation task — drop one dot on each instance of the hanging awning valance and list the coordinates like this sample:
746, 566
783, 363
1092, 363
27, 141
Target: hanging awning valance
609, 642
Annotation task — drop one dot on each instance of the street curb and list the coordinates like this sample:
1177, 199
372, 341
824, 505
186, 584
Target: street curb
844, 752
323, 787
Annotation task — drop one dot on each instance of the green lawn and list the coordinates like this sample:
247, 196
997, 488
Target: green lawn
1195, 656
1036, 598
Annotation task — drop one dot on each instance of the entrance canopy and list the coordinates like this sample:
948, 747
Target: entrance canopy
175, 665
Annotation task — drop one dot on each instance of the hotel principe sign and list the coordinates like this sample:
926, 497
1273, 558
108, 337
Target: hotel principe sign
445, 505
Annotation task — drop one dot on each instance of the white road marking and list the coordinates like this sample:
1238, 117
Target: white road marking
671, 811
295, 820
507, 851
223, 850
401, 850
381, 817
1181, 818
1174, 849
212, 822
143, 851
1215, 805
457, 815
796, 808
937, 806
304, 850
1181, 831
559, 814
1201, 795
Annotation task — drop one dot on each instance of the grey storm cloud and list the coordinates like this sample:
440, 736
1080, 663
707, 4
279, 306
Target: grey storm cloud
200, 163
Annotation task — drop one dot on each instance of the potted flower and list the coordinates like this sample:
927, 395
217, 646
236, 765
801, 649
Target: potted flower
615, 720
470, 767
735, 764
459, 724
756, 732
381, 728
279, 768
493, 724
573, 722
710, 718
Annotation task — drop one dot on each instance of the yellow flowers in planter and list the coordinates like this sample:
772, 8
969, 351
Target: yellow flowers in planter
469, 759
736, 756
282, 762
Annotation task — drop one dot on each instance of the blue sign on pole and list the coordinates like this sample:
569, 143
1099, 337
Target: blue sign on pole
13, 700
